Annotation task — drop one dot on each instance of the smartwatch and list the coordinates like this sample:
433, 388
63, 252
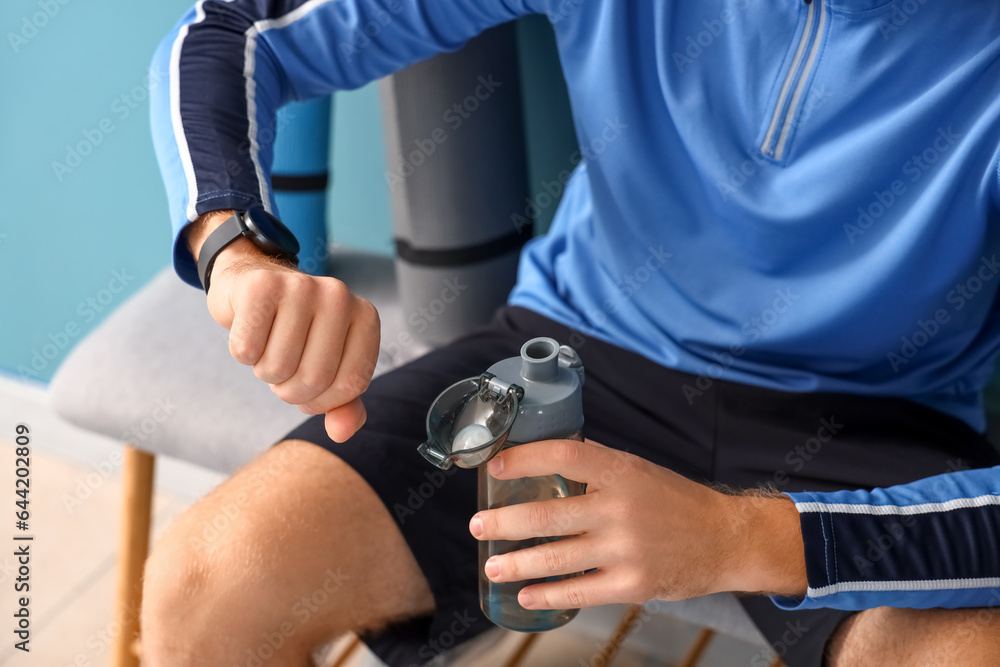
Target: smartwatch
256, 224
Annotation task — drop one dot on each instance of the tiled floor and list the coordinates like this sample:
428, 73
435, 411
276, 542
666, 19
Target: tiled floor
75, 491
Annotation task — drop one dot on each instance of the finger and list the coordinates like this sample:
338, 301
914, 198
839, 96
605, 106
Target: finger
579, 461
588, 590
343, 422
250, 329
285, 342
357, 362
320, 359
548, 518
569, 556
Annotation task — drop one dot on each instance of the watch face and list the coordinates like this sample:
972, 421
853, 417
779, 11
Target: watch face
271, 234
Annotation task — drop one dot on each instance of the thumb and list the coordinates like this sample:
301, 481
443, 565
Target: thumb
344, 421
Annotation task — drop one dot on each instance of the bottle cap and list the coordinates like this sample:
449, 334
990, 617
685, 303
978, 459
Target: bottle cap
470, 421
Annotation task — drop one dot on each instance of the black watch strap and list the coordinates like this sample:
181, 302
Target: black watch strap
230, 230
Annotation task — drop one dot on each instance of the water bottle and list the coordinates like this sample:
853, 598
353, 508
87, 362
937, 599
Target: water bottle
536, 396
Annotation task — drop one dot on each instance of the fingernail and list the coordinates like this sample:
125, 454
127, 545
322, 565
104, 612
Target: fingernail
492, 568
306, 410
496, 466
524, 599
476, 526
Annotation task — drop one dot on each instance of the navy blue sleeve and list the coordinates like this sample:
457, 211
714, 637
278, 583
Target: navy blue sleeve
229, 65
931, 543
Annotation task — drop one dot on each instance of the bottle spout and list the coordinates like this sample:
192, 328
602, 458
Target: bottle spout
540, 360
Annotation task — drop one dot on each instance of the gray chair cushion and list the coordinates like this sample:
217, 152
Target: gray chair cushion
157, 373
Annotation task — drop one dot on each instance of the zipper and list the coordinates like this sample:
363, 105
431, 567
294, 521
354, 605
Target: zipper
782, 120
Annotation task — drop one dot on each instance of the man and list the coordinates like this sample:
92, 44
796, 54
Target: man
811, 190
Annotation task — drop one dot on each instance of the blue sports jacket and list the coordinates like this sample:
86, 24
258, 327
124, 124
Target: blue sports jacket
795, 195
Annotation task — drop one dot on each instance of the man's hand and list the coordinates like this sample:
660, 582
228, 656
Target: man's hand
648, 532
308, 337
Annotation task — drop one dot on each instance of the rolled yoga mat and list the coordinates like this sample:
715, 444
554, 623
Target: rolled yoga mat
458, 180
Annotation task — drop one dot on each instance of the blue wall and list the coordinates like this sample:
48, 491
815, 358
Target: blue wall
63, 236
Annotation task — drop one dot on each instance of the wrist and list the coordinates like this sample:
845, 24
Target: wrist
199, 230
237, 257
766, 553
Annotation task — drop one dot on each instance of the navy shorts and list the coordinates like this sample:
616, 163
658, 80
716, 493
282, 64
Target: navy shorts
736, 434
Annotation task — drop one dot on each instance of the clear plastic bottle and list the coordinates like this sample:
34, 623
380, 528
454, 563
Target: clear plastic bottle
535, 396
499, 601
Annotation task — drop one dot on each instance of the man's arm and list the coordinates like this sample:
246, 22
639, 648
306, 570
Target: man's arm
931, 543
652, 534
223, 72
227, 67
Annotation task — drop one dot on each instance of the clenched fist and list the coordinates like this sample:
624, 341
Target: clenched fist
308, 337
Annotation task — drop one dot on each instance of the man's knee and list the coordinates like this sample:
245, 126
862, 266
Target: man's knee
201, 576
178, 582
916, 637
295, 539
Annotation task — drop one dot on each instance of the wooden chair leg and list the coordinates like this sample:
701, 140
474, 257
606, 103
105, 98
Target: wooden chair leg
697, 648
522, 650
348, 652
133, 547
